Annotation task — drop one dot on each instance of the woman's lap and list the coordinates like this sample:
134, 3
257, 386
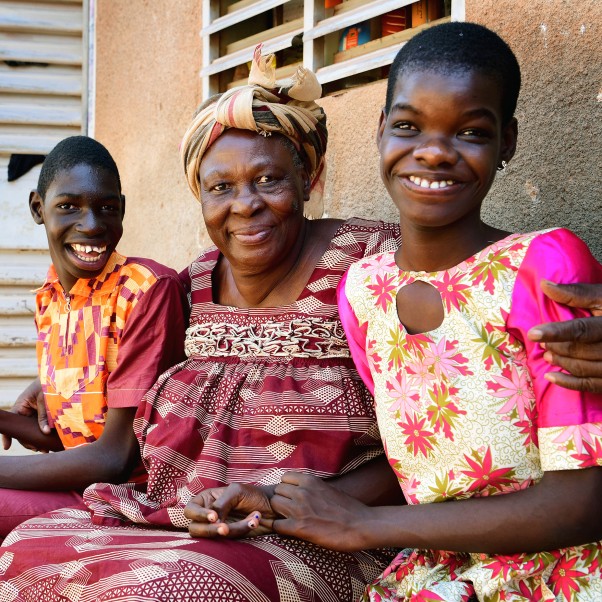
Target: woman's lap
63, 556
17, 505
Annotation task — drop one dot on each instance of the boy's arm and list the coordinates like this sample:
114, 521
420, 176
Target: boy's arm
574, 345
109, 459
27, 431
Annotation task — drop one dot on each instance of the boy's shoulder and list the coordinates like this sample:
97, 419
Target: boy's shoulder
149, 267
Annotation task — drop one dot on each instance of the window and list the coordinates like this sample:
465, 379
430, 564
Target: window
346, 42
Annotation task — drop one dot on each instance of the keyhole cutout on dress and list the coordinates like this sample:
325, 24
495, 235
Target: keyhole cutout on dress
419, 307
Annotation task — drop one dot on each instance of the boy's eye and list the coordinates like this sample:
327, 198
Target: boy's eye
110, 208
65, 206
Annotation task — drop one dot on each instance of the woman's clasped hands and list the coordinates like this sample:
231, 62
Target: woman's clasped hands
300, 505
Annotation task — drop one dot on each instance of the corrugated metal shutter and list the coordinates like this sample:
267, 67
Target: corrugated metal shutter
42, 100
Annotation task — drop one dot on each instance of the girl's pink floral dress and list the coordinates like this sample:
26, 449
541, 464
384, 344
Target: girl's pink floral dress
464, 410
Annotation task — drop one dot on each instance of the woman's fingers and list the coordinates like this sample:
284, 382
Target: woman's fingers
231, 529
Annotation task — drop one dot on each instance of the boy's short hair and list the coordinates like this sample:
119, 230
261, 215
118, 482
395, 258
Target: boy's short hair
72, 151
460, 46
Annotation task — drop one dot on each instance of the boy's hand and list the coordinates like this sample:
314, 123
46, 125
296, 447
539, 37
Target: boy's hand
575, 345
30, 403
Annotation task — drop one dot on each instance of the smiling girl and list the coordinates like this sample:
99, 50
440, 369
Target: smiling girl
499, 467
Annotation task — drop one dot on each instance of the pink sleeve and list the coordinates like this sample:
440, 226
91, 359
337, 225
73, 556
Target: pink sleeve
561, 257
152, 342
356, 335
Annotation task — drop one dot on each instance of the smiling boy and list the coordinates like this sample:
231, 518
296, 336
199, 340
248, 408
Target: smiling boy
107, 327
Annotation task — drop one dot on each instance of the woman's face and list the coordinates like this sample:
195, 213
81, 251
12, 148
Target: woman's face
252, 197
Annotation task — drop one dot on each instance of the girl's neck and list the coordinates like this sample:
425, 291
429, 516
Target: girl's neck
436, 249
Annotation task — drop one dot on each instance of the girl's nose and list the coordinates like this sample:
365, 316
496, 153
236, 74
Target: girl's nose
436, 151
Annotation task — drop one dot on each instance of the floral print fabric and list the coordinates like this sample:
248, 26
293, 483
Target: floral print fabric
463, 411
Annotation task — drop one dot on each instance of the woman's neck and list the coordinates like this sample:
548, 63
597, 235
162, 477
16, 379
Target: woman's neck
436, 249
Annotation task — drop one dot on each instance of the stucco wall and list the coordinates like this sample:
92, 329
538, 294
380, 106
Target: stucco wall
148, 85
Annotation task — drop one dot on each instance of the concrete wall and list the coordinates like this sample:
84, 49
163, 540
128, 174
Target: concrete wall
148, 56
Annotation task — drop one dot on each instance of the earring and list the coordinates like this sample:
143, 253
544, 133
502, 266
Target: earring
502, 166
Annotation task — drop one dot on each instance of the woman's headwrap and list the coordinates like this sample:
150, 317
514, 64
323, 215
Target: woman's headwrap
265, 106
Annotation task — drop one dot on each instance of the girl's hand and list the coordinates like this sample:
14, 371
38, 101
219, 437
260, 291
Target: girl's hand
317, 512
575, 345
234, 511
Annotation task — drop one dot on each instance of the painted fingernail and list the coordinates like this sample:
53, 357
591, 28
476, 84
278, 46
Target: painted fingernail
222, 530
252, 524
212, 517
257, 516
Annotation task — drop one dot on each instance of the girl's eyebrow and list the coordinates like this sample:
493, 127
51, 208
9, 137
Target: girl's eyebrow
403, 106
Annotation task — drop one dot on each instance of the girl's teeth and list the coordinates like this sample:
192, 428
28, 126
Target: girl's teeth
424, 183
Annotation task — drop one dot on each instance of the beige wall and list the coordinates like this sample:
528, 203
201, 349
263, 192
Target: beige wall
148, 57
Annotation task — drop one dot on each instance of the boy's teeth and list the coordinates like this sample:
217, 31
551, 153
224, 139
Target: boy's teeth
424, 183
88, 249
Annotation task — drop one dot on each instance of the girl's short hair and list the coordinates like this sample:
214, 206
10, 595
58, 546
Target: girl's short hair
460, 46
72, 151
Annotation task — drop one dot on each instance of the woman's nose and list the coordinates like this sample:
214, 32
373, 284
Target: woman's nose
436, 151
247, 201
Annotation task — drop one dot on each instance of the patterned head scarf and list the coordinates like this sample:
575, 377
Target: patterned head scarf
264, 106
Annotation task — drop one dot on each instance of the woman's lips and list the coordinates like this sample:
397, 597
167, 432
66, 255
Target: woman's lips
252, 236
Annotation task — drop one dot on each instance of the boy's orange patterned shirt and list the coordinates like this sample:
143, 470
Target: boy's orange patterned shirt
77, 344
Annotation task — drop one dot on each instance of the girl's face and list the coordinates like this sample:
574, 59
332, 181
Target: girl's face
441, 143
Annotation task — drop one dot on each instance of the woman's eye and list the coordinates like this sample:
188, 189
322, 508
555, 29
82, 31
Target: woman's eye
219, 187
265, 179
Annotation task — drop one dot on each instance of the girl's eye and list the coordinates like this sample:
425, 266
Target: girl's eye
405, 127
221, 187
473, 133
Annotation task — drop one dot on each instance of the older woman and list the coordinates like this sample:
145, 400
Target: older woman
268, 386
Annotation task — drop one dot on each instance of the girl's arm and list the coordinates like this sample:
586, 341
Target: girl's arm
109, 459
562, 510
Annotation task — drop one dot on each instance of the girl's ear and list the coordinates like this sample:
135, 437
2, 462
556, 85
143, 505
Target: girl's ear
382, 121
36, 207
509, 138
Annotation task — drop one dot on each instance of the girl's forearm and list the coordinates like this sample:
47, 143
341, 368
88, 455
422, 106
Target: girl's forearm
561, 511
27, 430
373, 483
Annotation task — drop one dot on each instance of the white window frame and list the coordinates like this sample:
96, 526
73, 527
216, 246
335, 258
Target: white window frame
313, 27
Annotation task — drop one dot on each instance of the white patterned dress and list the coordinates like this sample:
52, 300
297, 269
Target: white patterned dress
464, 410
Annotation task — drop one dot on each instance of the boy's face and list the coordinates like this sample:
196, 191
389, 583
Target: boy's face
83, 214
441, 143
